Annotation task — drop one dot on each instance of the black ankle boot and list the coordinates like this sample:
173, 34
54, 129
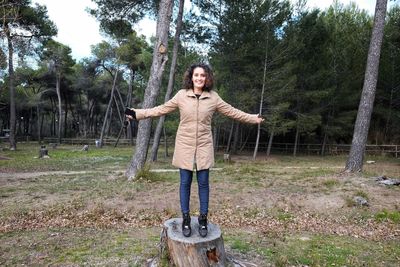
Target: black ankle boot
203, 230
186, 229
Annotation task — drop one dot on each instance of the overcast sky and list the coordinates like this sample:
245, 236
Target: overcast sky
79, 30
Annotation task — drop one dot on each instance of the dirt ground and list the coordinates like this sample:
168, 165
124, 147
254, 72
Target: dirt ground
275, 189
268, 199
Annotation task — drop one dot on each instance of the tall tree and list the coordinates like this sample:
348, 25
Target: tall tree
355, 160
171, 81
240, 49
31, 93
348, 28
60, 63
153, 87
385, 120
22, 24
107, 58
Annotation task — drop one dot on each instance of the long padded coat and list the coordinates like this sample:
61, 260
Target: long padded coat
193, 142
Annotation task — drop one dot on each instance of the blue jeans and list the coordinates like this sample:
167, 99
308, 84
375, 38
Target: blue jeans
203, 185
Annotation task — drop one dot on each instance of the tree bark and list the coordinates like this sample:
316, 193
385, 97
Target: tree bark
235, 138
103, 128
296, 140
271, 138
194, 251
324, 141
228, 145
160, 57
65, 116
355, 160
129, 102
261, 101
215, 138
11, 78
58, 81
171, 81
39, 130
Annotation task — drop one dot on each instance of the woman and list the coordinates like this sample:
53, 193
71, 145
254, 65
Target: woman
193, 144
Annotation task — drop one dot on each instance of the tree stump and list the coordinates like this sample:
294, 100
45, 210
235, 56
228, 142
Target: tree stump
193, 251
227, 157
43, 152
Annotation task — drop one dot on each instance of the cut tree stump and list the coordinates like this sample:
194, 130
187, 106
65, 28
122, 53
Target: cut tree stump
193, 251
43, 152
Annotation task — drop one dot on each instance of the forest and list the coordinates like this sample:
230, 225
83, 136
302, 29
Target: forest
309, 64
326, 82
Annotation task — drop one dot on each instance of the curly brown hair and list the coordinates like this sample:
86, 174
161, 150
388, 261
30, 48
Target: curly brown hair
187, 78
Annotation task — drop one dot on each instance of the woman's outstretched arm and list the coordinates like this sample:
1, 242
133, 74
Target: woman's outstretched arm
157, 111
234, 113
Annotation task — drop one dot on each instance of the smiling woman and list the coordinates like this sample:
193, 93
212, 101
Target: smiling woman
194, 150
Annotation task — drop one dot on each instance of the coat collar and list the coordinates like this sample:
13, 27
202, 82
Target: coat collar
190, 93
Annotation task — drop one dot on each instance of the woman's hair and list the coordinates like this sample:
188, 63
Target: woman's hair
187, 78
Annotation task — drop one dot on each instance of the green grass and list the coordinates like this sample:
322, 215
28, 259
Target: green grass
64, 157
316, 250
330, 183
386, 215
70, 158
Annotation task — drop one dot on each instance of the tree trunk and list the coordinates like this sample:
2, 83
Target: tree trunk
103, 128
12, 139
160, 57
323, 147
39, 130
215, 138
65, 115
296, 140
165, 142
261, 101
245, 142
194, 251
171, 81
121, 119
129, 102
271, 138
53, 118
235, 138
228, 145
41, 126
58, 81
355, 160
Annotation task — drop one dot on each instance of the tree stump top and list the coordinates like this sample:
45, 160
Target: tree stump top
193, 251
174, 231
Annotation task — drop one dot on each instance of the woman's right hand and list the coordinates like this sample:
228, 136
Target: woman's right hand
259, 119
130, 114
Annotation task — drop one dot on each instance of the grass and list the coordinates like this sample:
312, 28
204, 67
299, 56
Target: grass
315, 250
69, 158
385, 215
82, 210
330, 183
79, 246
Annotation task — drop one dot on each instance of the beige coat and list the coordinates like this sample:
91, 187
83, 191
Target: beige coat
193, 142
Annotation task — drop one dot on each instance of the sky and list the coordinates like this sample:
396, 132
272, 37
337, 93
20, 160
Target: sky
79, 30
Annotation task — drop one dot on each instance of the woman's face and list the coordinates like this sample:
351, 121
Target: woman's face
199, 78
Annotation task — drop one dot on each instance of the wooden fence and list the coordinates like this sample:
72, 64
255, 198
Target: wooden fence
330, 149
280, 148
